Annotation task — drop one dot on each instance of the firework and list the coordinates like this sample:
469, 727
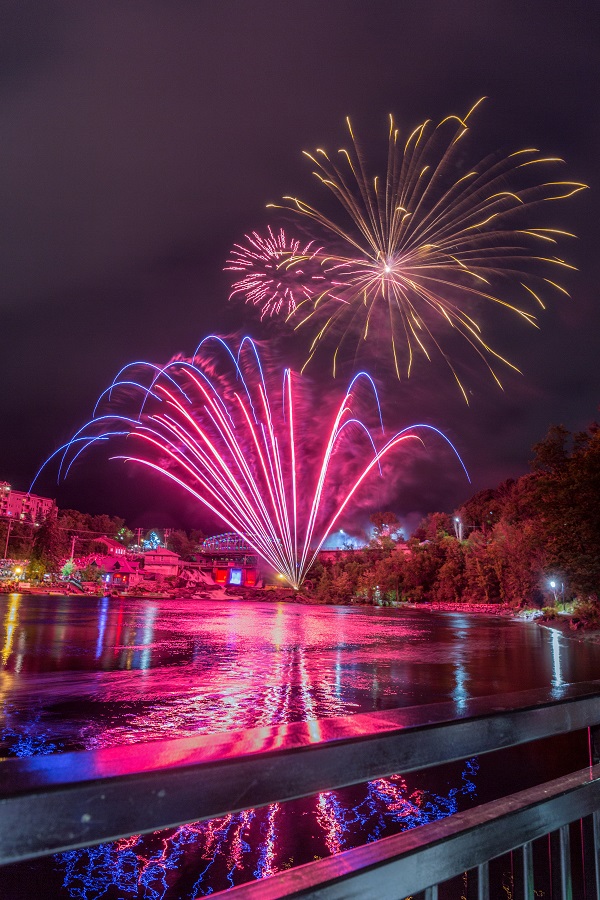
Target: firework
277, 272
263, 461
420, 244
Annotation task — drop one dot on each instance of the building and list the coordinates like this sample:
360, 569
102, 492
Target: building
117, 573
231, 561
162, 563
333, 556
113, 547
23, 507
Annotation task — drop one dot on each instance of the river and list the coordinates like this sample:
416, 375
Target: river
81, 673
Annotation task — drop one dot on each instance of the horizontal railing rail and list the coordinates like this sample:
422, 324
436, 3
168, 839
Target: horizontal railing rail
421, 858
72, 800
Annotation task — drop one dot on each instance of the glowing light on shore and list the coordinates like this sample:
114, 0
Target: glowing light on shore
421, 246
274, 471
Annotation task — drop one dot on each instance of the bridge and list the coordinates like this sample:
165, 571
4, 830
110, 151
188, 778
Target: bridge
231, 542
65, 801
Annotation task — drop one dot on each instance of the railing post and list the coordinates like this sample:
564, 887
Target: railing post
594, 744
596, 850
560, 864
483, 882
477, 883
566, 886
527, 854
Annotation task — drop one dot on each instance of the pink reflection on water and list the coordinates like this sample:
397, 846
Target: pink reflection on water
266, 864
331, 821
235, 857
238, 672
393, 792
214, 831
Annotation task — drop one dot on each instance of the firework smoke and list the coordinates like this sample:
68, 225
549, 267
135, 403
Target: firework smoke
213, 426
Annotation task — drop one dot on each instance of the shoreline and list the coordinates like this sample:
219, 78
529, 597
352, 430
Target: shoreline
287, 595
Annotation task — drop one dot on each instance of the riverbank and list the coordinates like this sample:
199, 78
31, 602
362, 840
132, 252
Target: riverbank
585, 635
560, 621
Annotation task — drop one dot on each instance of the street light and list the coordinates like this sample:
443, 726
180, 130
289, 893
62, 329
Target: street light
557, 587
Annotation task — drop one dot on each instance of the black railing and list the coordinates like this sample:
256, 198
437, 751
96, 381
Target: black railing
71, 800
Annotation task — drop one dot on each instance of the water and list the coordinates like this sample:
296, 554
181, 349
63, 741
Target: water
83, 673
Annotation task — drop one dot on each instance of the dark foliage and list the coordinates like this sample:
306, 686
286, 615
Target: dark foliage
516, 539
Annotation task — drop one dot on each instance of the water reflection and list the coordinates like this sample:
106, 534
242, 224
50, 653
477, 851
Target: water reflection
101, 625
255, 843
84, 673
11, 620
556, 644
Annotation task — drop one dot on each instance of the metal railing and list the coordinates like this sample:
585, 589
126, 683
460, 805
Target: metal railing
72, 800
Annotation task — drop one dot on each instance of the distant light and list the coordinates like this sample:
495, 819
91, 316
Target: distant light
552, 584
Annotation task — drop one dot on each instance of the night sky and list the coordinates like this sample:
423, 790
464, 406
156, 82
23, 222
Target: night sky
140, 141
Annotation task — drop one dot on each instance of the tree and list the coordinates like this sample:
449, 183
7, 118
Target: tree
420, 570
449, 585
383, 577
386, 530
481, 575
88, 528
482, 511
568, 488
523, 562
551, 454
48, 545
20, 538
180, 543
68, 569
323, 585
36, 570
433, 527
342, 586
125, 536
91, 572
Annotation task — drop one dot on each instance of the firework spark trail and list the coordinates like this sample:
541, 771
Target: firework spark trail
421, 244
278, 273
218, 436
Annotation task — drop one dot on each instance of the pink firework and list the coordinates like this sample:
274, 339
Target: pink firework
260, 459
278, 273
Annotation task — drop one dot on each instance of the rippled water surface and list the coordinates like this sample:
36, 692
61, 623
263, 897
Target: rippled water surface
81, 673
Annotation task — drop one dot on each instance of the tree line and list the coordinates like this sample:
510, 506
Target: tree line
533, 540
77, 534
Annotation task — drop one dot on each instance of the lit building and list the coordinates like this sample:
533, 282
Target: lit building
231, 560
117, 573
24, 507
163, 563
113, 547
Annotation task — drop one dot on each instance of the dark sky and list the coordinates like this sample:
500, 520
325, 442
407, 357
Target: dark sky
141, 140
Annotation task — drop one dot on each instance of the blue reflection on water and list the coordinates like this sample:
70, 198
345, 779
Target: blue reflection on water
101, 625
237, 848
116, 672
29, 741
